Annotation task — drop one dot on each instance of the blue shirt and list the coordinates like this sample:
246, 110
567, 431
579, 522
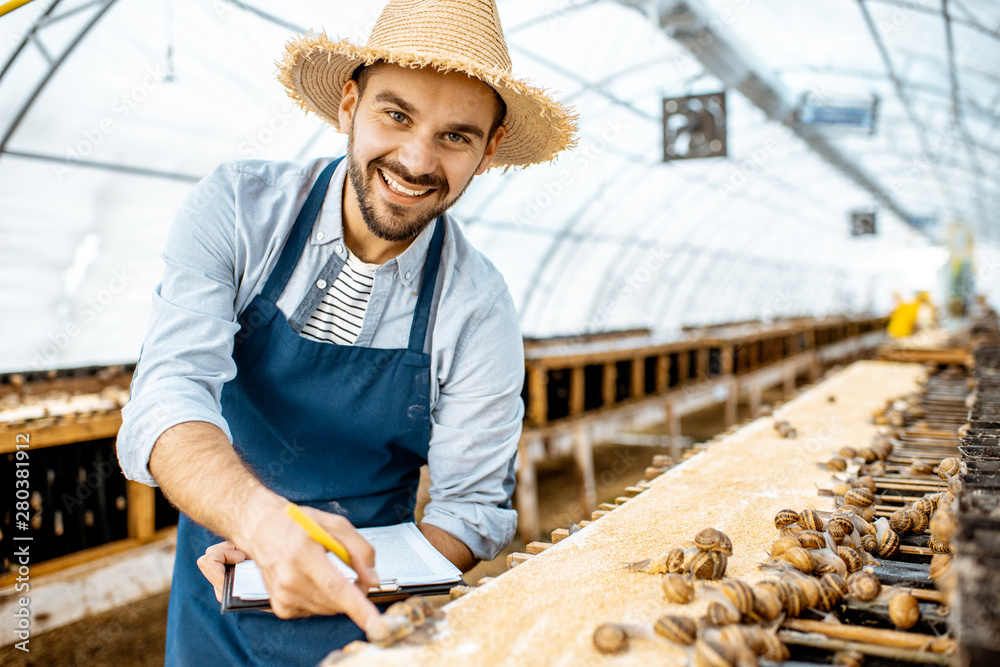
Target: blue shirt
222, 246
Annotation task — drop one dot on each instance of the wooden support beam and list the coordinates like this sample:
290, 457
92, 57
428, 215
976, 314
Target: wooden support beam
559, 534
893, 638
141, 509
683, 364
662, 373
610, 383
526, 492
577, 390
701, 370
583, 453
727, 359
673, 420
538, 395
638, 377
535, 548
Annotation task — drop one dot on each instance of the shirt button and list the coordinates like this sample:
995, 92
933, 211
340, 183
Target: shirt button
320, 236
339, 249
321, 283
407, 276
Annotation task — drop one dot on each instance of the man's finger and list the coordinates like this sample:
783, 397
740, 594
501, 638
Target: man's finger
362, 554
213, 564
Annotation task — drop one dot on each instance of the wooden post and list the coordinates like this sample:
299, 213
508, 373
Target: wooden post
577, 390
789, 372
731, 400
526, 495
538, 395
756, 397
610, 383
662, 373
701, 370
583, 452
727, 360
141, 504
673, 430
638, 377
683, 363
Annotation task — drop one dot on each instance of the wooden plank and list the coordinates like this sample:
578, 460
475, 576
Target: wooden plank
559, 534
662, 373
839, 645
893, 638
515, 559
701, 370
610, 384
639, 377
55, 565
535, 548
727, 359
53, 434
141, 508
538, 395
577, 390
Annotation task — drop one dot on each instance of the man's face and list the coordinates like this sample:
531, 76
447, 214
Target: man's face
417, 138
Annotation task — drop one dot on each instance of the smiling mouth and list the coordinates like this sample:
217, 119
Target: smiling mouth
397, 187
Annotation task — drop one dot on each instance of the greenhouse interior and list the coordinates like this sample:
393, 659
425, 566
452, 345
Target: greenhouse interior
732, 395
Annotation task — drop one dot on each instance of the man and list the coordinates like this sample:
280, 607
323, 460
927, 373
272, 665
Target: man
323, 329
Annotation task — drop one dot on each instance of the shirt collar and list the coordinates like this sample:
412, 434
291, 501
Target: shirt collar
330, 227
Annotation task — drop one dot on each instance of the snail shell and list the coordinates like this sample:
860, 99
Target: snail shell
711, 539
847, 452
888, 544
708, 653
938, 547
836, 531
859, 497
867, 454
721, 613
800, 559
740, 594
939, 565
837, 463
920, 521
794, 598
948, 467
851, 558
702, 565
901, 521
925, 505
791, 530
876, 469
811, 539
610, 638
773, 586
836, 582
867, 513
865, 482
904, 611
809, 519
719, 568
943, 525
827, 597
869, 543
774, 649
750, 636
415, 611
766, 603
811, 589
678, 588
840, 489
863, 586
920, 467
678, 629
945, 500
388, 629
783, 544
785, 518
843, 520
674, 562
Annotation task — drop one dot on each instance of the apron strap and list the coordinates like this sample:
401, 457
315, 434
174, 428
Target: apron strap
301, 230
421, 314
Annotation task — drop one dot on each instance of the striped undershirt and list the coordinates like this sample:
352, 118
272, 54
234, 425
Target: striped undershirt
339, 316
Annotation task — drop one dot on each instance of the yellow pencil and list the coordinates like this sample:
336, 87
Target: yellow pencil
316, 532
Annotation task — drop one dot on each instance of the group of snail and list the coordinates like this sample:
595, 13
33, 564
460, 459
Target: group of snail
705, 557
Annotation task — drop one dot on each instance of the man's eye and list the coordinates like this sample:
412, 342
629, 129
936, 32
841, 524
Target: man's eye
397, 116
454, 138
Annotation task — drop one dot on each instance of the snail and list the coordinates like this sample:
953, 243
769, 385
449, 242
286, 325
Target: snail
810, 589
943, 525
863, 586
711, 539
783, 544
901, 521
791, 530
921, 467
888, 542
836, 582
904, 611
794, 598
678, 629
847, 452
766, 603
925, 505
864, 482
800, 559
836, 531
678, 588
720, 613
859, 497
610, 638
740, 594
939, 565
388, 629
415, 608
785, 517
938, 547
709, 653
920, 521
774, 649
837, 463
848, 659
843, 520
811, 539
840, 489
870, 544
810, 519
750, 636
867, 454
867, 513
949, 467
851, 558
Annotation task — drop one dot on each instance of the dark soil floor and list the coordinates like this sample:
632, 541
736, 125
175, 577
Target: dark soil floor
134, 635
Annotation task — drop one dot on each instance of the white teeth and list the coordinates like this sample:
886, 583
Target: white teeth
399, 188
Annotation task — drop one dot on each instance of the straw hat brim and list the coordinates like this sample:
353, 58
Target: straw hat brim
314, 70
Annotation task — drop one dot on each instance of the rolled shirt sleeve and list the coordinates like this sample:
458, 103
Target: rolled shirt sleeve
187, 354
475, 427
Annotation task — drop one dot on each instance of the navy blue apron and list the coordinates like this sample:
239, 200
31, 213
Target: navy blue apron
337, 427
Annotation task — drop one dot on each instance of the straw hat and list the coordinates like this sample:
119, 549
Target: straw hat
449, 35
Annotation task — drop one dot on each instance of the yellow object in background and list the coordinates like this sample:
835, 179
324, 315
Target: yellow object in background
903, 319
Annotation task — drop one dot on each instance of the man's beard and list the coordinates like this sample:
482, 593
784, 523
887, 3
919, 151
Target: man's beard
397, 225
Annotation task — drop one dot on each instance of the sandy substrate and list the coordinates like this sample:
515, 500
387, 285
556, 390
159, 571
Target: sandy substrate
544, 611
